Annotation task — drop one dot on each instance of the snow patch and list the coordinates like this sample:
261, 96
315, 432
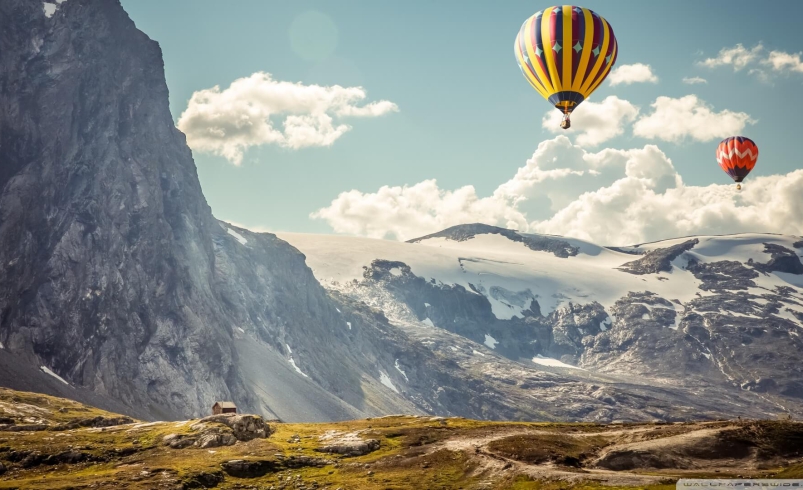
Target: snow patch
454, 348
299, 371
427, 305
548, 361
293, 362
237, 236
786, 310
646, 316
427, 321
348, 324
478, 353
490, 341
385, 380
50, 9
679, 311
241, 330
48, 371
399, 369
395, 272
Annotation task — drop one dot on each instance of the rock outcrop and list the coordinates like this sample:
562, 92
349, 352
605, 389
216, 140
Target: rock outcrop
244, 427
220, 430
659, 260
348, 444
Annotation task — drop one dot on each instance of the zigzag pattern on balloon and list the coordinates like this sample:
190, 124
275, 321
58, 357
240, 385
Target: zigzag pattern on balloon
721, 155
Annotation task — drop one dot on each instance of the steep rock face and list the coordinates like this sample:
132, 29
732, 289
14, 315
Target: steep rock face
659, 260
458, 310
116, 276
783, 260
108, 261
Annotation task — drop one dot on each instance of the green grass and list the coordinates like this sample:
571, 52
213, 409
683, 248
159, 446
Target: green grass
412, 452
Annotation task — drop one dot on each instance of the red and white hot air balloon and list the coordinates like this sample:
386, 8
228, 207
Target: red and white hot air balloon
737, 156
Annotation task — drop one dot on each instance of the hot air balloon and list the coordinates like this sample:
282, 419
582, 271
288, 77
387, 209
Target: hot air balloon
737, 156
565, 52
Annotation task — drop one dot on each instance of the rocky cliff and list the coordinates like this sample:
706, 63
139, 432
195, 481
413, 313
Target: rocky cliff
115, 275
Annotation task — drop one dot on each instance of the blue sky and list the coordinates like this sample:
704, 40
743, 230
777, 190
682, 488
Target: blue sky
465, 115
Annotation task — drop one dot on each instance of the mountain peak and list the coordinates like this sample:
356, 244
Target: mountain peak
542, 243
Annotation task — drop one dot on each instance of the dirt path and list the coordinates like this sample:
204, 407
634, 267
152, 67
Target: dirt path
491, 466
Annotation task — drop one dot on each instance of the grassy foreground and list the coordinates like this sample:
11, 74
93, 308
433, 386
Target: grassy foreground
48, 442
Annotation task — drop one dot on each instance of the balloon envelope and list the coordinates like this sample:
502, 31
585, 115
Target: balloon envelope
566, 52
737, 156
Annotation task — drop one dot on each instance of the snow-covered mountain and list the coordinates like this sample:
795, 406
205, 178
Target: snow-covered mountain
715, 314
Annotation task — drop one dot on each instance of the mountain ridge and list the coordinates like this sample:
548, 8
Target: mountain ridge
680, 307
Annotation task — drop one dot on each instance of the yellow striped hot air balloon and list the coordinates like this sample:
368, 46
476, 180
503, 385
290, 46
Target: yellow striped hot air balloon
565, 52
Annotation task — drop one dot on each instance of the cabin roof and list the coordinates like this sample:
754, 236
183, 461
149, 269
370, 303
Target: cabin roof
225, 404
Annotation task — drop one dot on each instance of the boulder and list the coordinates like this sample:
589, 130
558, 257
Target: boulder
244, 427
350, 444
220, 430
177, 441
216, 440
206, 479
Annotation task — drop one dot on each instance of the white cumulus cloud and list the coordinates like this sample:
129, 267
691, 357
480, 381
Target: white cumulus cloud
629, 74
688, 117
612, 197
405, 212
596, 122
738, 57
631, 212
780, 61
259, 110
763, 64
694, 80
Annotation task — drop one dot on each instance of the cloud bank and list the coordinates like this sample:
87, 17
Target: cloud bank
613, 197
227, 122
688, 117
763, 63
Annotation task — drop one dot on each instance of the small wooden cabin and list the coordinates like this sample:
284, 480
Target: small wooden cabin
224, 407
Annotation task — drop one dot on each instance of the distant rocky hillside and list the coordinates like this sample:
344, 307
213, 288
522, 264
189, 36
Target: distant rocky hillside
715, 316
